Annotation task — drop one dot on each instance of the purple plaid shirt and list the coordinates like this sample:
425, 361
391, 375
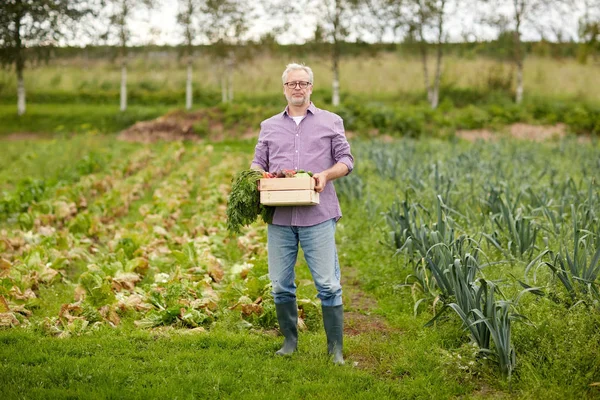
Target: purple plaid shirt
316, 144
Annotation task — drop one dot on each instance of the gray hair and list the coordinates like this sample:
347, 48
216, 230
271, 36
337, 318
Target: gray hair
296, 67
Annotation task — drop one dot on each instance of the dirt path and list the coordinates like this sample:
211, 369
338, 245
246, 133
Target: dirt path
359, 307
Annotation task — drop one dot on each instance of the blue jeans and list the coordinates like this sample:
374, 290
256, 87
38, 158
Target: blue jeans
318, 244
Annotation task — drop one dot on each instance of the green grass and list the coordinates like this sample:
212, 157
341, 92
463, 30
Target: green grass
74, 118
144, 365
58, 160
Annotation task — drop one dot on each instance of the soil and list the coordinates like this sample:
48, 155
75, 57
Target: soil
205, 124
182, 125
27, 136
536, 133
359, 307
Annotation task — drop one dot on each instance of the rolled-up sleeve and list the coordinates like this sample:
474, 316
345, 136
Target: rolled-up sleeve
261, 151
340, 148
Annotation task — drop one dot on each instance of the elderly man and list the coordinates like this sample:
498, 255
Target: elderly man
305, 137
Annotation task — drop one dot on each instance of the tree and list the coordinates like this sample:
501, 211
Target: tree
416, 21
520, 13
589, 29
185, 17
119, 15
35, 24
430, 14
223, 24
334, 19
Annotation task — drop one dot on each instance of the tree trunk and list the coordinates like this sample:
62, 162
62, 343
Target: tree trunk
423, 49
20, 66
335, 86
435, 98
188, 87
519, 94
123, 86
518, 51
335, 57
335, 98
20, 92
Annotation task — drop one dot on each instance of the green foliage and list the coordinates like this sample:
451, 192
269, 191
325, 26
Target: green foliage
243, 205
97, 287
27, 192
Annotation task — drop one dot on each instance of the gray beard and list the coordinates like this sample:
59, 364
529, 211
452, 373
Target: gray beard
297, 101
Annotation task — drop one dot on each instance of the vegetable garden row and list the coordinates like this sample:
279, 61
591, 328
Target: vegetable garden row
486, 235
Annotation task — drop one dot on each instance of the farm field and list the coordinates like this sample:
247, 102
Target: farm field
118, 277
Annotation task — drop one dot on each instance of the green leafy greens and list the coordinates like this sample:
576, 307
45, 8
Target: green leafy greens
243, 206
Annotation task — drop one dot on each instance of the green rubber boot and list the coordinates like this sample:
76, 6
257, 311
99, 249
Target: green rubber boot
287, 316
333, 319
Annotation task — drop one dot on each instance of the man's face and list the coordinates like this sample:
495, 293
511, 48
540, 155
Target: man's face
295, 95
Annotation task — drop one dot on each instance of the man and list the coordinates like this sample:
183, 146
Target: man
308, 138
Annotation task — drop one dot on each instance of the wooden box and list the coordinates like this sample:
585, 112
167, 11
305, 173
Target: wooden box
289, 197
287, 184
288, 192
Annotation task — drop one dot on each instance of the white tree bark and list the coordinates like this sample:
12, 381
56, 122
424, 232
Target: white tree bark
519, 94
188, 87
435, 97
123, 86
20, 96
423, 51
519, 7
335, 99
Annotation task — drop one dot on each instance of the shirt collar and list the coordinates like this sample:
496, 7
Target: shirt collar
310, 108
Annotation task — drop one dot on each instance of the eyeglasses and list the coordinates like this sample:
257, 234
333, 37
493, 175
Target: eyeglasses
294, 85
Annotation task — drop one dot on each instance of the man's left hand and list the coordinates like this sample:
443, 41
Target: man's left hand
320, 181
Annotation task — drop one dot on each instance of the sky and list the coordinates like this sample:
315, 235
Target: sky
159, 26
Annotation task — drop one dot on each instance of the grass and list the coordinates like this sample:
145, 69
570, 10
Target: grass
74, 118
58, 159
220, 365
386, 76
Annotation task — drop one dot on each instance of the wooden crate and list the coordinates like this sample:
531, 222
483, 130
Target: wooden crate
288, 192
289, 197
305, 183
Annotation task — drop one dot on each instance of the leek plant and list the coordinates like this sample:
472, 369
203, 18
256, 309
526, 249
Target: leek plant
576, 271
453, 266
351, 187
517, 233
387, 161
409, 233
442, 183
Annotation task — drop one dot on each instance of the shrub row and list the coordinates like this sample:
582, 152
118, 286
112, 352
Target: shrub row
401, 115
418, 120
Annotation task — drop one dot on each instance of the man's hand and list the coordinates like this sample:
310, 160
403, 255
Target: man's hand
320, 181
338, 170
